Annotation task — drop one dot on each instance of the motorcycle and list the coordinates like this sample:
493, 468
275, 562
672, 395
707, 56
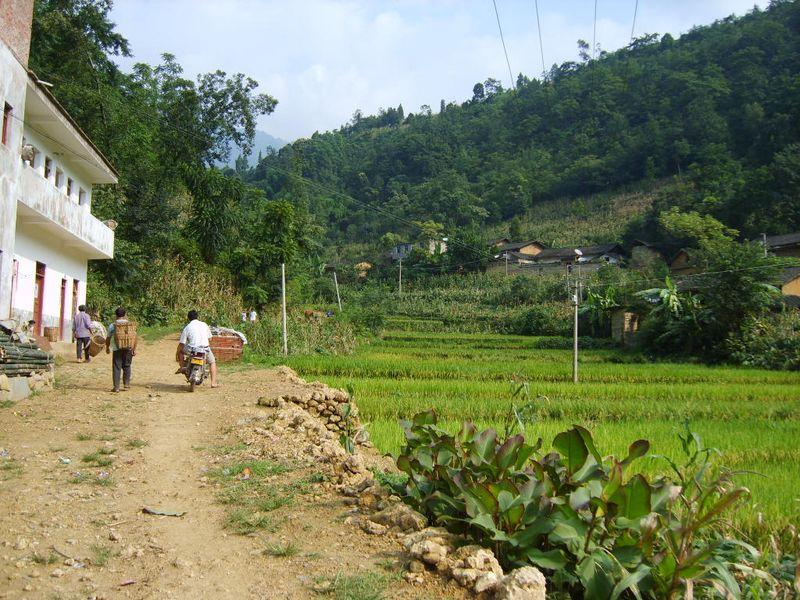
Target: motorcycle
195, 368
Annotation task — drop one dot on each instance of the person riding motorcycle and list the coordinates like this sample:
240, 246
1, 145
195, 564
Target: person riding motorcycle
196, 336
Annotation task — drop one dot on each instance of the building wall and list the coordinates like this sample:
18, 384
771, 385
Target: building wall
13, 83
47, 150
791, 288
788, 251
532, 249
60, 264
16, 17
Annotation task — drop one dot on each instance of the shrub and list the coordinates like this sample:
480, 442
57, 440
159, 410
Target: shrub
598, 530
771, 342
543, 319
305, 336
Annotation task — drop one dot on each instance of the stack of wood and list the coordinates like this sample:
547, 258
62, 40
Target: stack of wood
22, 358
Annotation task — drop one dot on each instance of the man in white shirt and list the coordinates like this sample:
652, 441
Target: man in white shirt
197, 336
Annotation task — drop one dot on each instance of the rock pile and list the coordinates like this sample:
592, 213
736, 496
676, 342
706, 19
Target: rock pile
310, 415
312, 443
321, 401
472, 567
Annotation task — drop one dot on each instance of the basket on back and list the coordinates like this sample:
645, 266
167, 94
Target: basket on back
125, 334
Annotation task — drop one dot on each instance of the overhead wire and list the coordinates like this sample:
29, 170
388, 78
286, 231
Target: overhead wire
541, 44
285, 172
503, 41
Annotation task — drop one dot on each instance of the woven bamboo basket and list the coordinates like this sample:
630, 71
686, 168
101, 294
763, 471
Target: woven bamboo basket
125, 334
96, 345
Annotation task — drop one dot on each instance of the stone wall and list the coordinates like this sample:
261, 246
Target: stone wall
16, 17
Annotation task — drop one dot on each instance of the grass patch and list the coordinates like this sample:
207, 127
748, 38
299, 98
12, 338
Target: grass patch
153, 333
283, 550
229, 449
99, 458
42, 559
10, 469
7, 404
101, 555
83, 437
255, 468
103, 481
136, 443
361, 586
244, 521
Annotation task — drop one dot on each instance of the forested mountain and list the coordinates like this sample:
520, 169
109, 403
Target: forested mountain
716, 112
263, 143
708, 122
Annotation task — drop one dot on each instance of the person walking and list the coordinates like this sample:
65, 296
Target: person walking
122, 351
82, 332
253, 315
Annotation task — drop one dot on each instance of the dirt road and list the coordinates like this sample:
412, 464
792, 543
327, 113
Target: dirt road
80, 463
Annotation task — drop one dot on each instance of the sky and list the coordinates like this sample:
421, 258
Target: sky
323, 59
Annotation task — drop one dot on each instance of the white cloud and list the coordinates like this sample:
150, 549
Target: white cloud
323, 59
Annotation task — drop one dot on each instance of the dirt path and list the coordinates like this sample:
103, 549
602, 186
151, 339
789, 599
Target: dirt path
159, 446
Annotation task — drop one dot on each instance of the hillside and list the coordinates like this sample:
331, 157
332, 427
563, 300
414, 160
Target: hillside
715, 112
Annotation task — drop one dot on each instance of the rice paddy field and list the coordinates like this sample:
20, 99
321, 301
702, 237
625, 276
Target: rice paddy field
752, 416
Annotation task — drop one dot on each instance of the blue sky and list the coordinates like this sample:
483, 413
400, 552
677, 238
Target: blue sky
324, 59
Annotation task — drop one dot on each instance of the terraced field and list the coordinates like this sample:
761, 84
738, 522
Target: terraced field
752, 416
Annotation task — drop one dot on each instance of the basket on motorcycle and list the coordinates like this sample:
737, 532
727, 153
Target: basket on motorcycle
226, 347
96, 344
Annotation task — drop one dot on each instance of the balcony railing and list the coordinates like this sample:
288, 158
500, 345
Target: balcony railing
68, 221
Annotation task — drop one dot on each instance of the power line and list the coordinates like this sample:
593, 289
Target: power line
502, 39
635, 11
541, 44
285, 172
594, 32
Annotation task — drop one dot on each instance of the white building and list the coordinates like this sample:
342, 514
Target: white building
48, 168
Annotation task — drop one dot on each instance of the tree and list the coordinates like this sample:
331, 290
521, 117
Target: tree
215, 201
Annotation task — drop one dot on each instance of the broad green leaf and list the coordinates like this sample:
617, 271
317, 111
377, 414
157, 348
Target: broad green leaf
594, 571
636, 450
505, 499
531, 534
552, 559
630, 582
572, 448
483, 446
633, 499
507, 453
589, 443
427, 417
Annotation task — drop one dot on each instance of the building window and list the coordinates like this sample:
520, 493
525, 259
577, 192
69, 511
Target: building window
48, 167
7, 112
59, 178
83, 200
69, 187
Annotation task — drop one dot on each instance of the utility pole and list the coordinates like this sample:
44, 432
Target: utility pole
338, 298
575, 302
764, 243
576, 299
506, 255
400, 278
283, 308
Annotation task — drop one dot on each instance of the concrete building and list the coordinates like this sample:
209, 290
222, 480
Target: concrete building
48, 168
